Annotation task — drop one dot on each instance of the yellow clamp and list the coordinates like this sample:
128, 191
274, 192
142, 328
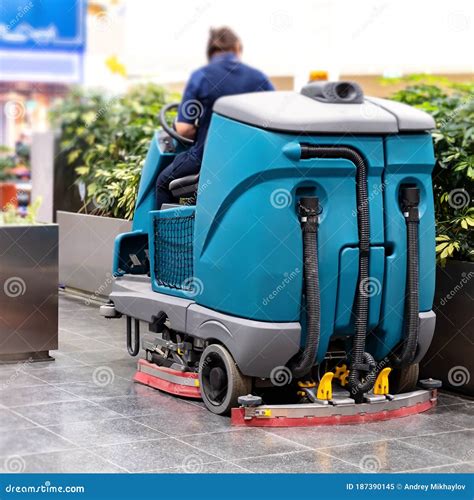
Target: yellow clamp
307, 384
325, 386
381, 384
342, 373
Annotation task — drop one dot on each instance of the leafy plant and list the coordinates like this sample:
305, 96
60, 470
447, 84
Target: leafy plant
6, 164
107, 139
453, 175
10, 215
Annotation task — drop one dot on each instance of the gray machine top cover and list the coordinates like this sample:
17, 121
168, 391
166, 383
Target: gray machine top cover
294, 112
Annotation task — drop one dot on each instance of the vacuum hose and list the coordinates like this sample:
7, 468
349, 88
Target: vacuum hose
361, 362
409, 201
309, 214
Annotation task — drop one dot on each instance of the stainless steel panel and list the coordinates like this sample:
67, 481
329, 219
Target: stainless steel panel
86, 244
28, 290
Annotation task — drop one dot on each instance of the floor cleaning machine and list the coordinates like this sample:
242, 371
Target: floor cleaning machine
293, 282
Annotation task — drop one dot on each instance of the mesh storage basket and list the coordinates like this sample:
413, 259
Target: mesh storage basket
173, 238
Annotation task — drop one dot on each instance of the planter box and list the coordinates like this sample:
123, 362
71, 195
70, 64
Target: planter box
450, 357
86, 244
28, 292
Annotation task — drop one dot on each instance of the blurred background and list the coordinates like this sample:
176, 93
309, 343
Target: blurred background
82, 83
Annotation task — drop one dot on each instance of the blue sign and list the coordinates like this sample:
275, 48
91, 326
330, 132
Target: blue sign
43, 25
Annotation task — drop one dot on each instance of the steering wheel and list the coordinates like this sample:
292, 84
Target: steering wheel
170, 130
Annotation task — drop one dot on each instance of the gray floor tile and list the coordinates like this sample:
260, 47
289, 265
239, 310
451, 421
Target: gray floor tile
387, 456
413, 425
300, 462
10, 421
326, 436
241, 443
105, 432
60, 361
464, 468
200, 468
188, 421
153, 455
143, 403
73, 461
33, 440
446, 399
18, 378
125, 368
461, 415
458, 445
65, 412
62, 375
22, 396
81, 344
99, 357
105, 386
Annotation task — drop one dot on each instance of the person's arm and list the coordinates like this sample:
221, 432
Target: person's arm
266, 84
190, 109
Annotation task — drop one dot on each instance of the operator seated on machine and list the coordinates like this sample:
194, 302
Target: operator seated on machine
224, 75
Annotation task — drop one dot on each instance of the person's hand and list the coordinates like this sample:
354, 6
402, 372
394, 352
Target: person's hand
185, 129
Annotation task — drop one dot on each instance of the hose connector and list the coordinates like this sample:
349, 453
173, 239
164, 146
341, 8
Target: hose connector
409, 202
309, 210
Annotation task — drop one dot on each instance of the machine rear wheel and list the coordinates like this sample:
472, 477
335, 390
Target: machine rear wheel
404, 379
220, 380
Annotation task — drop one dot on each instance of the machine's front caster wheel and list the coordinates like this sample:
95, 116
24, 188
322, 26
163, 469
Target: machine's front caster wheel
220, 380
404, 379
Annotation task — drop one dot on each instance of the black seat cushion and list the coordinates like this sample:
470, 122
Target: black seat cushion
184, 185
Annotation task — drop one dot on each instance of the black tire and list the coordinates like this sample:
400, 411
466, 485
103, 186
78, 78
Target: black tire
404, 379
220, 380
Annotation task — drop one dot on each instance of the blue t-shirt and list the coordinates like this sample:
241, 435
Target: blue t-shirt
224, 75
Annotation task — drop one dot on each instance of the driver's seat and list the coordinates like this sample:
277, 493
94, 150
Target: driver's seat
184, 187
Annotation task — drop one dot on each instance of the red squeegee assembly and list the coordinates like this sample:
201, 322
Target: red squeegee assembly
337, 411
185, 384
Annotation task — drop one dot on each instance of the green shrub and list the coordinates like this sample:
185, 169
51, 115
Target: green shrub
107, 140
453, 175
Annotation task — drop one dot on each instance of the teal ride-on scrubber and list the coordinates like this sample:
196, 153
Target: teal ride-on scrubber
296, 271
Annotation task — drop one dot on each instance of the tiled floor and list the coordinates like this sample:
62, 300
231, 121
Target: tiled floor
82, 413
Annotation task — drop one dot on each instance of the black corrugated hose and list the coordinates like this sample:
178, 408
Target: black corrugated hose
309, 214
361, 362
409, 201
